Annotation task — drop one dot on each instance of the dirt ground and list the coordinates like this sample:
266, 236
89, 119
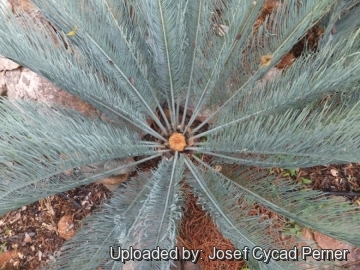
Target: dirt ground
31, 235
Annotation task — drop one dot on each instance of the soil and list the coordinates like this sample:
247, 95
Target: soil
32, 231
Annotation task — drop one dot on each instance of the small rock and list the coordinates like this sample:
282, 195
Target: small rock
7, 64
327, 242
22, 83
20, 6
334, 172
119, 176
66, 227
113, 182
27, 238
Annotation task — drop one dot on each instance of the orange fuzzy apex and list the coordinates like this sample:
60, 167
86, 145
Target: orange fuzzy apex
177, 142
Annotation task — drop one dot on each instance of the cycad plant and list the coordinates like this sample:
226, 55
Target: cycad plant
182, 84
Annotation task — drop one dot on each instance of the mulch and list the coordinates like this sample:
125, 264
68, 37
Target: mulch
32, 231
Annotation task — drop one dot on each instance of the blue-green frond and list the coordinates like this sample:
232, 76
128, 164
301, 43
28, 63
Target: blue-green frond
166, 34
272, 38
296, 138
143, 215
336, 28
105, 228
118, 53
230, 200
218, 42
156, 223
313, 209
329, 71
81, 63
41, 144
222, 200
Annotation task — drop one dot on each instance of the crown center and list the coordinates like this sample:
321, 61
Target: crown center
177, 142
